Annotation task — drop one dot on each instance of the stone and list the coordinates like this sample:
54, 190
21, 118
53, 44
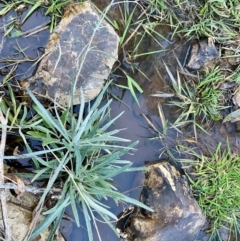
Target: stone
20, 213
236, 97
79, 54
202, 53
176, 215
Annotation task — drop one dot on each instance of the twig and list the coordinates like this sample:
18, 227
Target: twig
35, 218
2, 192
3, 36
31, 189
1, 234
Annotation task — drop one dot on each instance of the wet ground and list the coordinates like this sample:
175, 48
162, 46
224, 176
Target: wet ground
135, 125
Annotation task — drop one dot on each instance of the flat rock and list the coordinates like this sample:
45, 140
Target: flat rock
79, 54
20, 214
201, 53
176, 216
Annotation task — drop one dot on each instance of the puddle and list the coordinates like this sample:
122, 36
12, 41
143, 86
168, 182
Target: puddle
13, 49
137, 129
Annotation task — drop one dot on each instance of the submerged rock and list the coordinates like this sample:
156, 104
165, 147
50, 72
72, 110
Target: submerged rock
201, 53
80, 53
176, 216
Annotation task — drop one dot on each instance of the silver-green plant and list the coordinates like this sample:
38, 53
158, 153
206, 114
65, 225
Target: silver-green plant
80, 151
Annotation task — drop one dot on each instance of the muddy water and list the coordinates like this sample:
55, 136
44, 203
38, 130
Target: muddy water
136, 127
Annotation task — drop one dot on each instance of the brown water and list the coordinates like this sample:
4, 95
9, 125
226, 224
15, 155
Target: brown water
137, 129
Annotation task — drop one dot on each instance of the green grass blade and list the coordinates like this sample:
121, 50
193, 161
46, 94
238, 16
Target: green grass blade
81, 110
45, 114
55, 226
32, 10
92, 203
130, 86
136, 85
88, 221
56, 172
73, 205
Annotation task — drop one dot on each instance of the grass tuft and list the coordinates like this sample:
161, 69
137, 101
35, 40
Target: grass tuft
215, 183
200, 100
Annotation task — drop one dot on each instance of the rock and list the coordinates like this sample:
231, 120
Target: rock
176, 216
20, 214
82, 48
202, 53
236, 97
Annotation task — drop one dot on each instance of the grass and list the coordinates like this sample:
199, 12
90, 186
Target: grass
200, 100
215, 184
133, 34
203, 99
198, 19
80, 152
132, 86
235, 76
217, 19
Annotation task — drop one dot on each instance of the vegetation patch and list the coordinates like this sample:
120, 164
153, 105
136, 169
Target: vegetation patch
197, 19
215, 184
80, 153
199, 98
